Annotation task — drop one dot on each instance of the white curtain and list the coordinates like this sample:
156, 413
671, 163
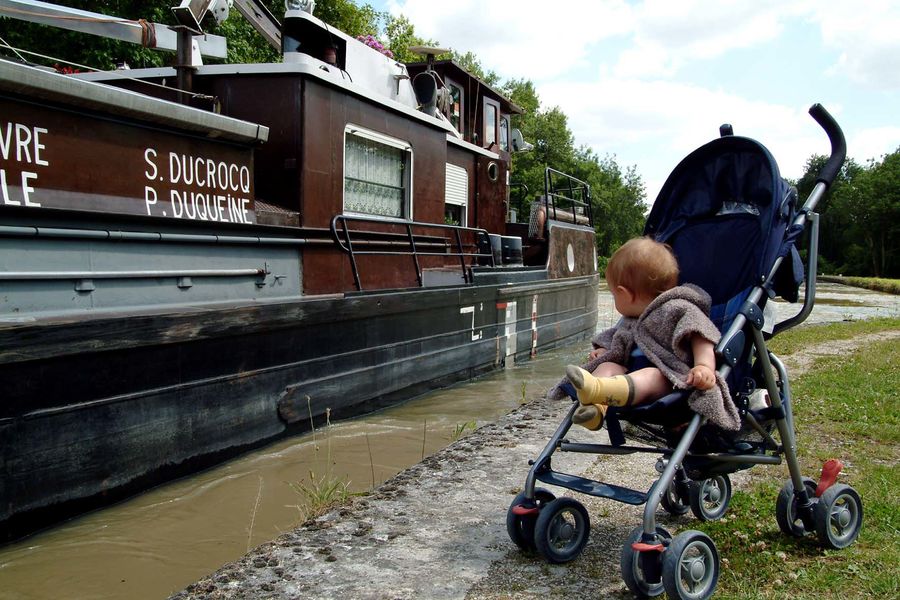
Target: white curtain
374, 178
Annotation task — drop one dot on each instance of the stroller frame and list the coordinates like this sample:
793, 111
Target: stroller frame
559, 528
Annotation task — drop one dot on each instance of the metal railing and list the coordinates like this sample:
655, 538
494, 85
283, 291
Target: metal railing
518, 201
414, 240
567, 198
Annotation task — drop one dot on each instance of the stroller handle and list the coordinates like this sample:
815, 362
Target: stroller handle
838, 144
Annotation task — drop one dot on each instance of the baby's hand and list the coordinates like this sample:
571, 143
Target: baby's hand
595, 353
701, 377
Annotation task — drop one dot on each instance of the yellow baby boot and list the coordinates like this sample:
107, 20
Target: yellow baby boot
611, 391
589, 416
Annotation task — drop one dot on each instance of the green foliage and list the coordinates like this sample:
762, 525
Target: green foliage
461, 428
349, 17
860, 216
401, 37
523, 95
470, 63
617, 198
888, 286
320, 494
245, 44
795, 340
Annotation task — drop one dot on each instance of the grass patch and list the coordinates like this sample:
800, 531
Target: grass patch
795, 340
320, 494
845, 407
888, 286
461, 428
841, 302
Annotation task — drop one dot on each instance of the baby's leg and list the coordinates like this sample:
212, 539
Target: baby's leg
649, 385
609, 369
616, 388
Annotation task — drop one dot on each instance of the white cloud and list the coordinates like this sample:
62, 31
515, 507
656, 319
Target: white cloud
873, 143
655, 124
519, 39
867, 35
541, 40
668, 35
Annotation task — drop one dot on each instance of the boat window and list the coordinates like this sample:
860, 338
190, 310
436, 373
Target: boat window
377, 174
456, 195
456, 106
504, 133
491, 112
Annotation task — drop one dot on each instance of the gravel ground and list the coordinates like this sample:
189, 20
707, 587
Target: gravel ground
437, 530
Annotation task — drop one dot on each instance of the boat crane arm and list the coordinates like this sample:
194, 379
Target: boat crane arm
262, 20
162, 38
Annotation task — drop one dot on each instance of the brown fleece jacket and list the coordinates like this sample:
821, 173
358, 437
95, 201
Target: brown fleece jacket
663, 333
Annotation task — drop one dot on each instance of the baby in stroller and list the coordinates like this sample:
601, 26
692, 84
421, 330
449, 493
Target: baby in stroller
664, 341
733, 222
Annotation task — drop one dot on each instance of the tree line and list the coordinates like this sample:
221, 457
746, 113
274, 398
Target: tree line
859, 216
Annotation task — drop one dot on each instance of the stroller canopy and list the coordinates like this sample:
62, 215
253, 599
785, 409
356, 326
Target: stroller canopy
726, 212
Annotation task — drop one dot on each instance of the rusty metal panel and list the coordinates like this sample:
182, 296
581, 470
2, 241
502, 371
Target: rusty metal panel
572, 252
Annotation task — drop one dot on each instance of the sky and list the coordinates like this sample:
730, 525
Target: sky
649, 81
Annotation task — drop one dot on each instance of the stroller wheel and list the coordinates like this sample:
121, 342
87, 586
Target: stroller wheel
786, 512
839, 515
561, 530
520, 527
641, 571
690, 566
672, 502
710, 497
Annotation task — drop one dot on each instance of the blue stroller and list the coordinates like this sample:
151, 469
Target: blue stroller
733, 222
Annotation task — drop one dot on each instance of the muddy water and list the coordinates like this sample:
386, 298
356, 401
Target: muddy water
161, 541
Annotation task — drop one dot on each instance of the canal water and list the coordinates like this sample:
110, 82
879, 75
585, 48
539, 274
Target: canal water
161, 541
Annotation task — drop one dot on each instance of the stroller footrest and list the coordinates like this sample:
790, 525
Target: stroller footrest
593, 488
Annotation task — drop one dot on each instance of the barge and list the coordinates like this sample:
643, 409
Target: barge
197, 267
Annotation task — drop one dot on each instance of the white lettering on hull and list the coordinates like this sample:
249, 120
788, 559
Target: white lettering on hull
20, 145
223, 195
471, 310
175, 185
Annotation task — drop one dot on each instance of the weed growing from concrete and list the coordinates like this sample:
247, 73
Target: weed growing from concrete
461, 428
321, 493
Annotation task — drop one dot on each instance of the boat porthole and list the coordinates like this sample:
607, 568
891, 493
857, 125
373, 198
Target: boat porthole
570, 258
493, 171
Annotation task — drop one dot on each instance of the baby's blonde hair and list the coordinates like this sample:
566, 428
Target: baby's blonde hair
646, 267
